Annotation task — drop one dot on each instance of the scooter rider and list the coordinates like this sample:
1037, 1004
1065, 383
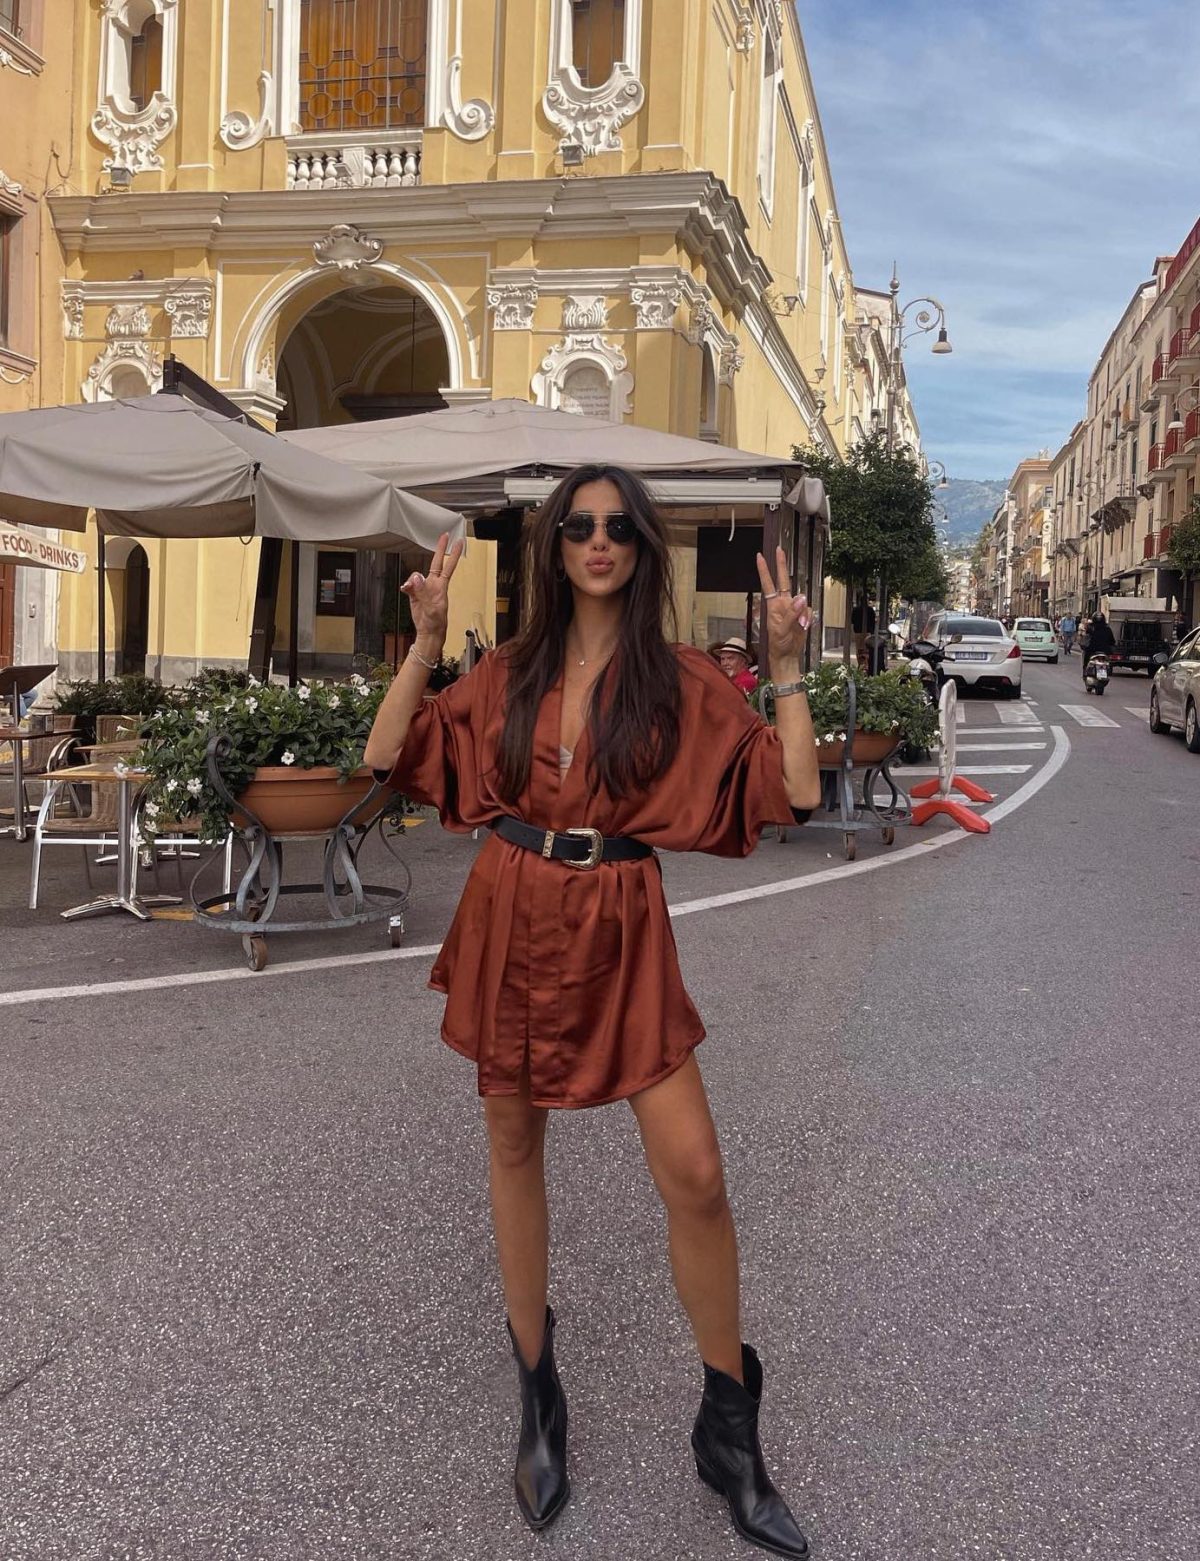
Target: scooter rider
1100, 642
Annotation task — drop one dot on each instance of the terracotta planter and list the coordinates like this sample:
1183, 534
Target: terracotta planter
869, 748
291, 801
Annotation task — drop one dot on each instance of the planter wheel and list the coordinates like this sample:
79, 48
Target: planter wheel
255, 948
889, 835
396, 931
851, 843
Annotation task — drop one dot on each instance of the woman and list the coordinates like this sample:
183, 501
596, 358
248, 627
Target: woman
585, 743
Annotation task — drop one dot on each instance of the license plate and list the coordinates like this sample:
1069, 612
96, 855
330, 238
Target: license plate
970, 655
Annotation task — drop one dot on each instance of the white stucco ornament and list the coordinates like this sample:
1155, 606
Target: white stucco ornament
590, 117
238, 130
655, 304
134, 139
347, 248
512, 305
190, 312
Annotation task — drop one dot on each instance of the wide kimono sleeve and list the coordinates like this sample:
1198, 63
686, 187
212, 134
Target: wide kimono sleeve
727, 783
448, 758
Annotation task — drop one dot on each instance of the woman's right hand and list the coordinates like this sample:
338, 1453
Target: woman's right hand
429, 594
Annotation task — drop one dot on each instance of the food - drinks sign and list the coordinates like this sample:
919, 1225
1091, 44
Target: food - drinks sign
25, 547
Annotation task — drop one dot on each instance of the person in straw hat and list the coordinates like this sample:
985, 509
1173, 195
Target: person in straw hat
735, 661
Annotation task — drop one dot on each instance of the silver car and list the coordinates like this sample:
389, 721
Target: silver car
1175, 693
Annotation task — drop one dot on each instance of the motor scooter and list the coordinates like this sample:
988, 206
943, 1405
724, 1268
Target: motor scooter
925, 663
1096, 674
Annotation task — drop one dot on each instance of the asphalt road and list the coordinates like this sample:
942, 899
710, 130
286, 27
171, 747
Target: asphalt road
248, 1305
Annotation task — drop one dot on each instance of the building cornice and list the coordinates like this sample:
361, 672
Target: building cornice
695, 207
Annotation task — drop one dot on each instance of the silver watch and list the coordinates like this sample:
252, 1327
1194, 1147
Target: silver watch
782, 690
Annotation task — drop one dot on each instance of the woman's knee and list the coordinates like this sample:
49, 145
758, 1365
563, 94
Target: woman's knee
695, 1186
516, 1135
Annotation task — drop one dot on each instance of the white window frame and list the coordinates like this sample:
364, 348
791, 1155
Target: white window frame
768, 120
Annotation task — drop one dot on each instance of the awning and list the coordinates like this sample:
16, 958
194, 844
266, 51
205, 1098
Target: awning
35, 552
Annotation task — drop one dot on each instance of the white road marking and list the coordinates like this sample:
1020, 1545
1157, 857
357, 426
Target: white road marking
996, 747
1027, 729
1062, 751
960, 713
1017, 714
964, 769
1088, 715
1142, 710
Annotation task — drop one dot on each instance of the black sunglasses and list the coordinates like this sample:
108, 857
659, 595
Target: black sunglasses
580, 524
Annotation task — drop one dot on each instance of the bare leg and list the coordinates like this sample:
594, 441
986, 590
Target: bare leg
517, 1139
685, 1161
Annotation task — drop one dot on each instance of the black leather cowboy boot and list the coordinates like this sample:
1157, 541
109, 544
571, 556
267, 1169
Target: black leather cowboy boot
541, 1478
729, 1458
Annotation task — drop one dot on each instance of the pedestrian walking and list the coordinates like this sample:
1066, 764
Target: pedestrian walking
1066, 629
862, 622
586, 743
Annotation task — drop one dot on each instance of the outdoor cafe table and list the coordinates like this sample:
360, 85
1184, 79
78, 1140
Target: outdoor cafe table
127, 780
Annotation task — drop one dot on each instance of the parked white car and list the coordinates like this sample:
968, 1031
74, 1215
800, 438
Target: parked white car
979, 652
1175, 693
1035, 636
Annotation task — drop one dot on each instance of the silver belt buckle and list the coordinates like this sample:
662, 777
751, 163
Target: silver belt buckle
595, 851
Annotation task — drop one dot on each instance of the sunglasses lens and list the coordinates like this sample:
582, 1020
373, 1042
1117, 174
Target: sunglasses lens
578, 528
621, 528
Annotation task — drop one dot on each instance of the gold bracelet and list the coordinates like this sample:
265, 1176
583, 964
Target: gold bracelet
417, 656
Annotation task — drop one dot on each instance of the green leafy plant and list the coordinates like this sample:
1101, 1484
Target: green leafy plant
891, 703
216, 682
1184, 549
267, 725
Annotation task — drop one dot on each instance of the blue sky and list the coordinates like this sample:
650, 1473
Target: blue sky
1022, 160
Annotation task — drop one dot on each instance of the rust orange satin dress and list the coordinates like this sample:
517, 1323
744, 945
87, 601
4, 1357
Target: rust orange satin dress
577, 970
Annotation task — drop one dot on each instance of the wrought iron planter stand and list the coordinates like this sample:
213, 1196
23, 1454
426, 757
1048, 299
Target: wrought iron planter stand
249, 911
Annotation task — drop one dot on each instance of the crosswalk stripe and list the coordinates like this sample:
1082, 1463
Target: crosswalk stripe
1017, 714
965, 769
996, 747
1088, 715
1139, 710
1026, 729
960, 713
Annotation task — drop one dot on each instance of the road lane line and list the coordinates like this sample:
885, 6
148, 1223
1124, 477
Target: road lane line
1088, 715
1029, 729
1060, 755
965, 769
1019, 714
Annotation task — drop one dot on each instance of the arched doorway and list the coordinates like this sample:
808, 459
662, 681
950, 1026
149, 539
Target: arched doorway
366, 352
134, 612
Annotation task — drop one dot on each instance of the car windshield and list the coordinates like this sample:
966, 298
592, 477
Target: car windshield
1034, 625
974, 628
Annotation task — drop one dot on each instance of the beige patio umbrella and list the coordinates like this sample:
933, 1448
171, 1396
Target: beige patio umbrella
162, 466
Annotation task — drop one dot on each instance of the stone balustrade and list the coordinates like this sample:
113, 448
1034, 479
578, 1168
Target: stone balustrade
383, 162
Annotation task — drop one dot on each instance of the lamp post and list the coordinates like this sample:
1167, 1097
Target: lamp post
930, 316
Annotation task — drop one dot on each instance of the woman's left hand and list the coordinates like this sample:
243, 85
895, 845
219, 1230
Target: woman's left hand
789, 617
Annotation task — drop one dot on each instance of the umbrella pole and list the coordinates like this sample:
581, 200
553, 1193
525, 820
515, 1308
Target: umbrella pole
101, 607
294, 618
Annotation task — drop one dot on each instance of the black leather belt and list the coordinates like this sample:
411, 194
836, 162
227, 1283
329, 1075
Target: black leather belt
585, 848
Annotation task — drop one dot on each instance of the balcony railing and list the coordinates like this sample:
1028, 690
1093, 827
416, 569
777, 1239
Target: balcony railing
390, 159
1158, 368
1180, 343
1191, 427
1164, 540
1173, 444
1149, 546
1186, 250
1154, 463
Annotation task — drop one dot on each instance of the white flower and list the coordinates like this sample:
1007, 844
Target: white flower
203, 717
254, 683
841, 737
151, 810
357, 680
172, 785
195, 786
252, 704
304, 693
334, 702
120, 767
289, 757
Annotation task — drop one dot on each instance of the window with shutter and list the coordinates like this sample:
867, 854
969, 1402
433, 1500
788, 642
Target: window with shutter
597, 38
362, 64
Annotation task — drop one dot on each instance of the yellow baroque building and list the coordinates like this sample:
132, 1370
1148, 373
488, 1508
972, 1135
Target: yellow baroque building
345, 209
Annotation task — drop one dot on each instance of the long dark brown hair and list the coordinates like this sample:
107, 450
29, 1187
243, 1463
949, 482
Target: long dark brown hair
633, 723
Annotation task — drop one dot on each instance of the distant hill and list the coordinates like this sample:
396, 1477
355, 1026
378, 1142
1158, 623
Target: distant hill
969, 505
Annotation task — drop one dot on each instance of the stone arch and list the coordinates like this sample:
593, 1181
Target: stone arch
261, 342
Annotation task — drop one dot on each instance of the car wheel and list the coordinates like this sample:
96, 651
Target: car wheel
1013, 693
1053, 660
1191, 728
1157, 725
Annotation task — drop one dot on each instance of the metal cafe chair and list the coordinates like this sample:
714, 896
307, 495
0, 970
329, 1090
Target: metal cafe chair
95, 827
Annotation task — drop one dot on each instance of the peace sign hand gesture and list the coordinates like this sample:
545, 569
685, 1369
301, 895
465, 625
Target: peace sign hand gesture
429, 594
789, 617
